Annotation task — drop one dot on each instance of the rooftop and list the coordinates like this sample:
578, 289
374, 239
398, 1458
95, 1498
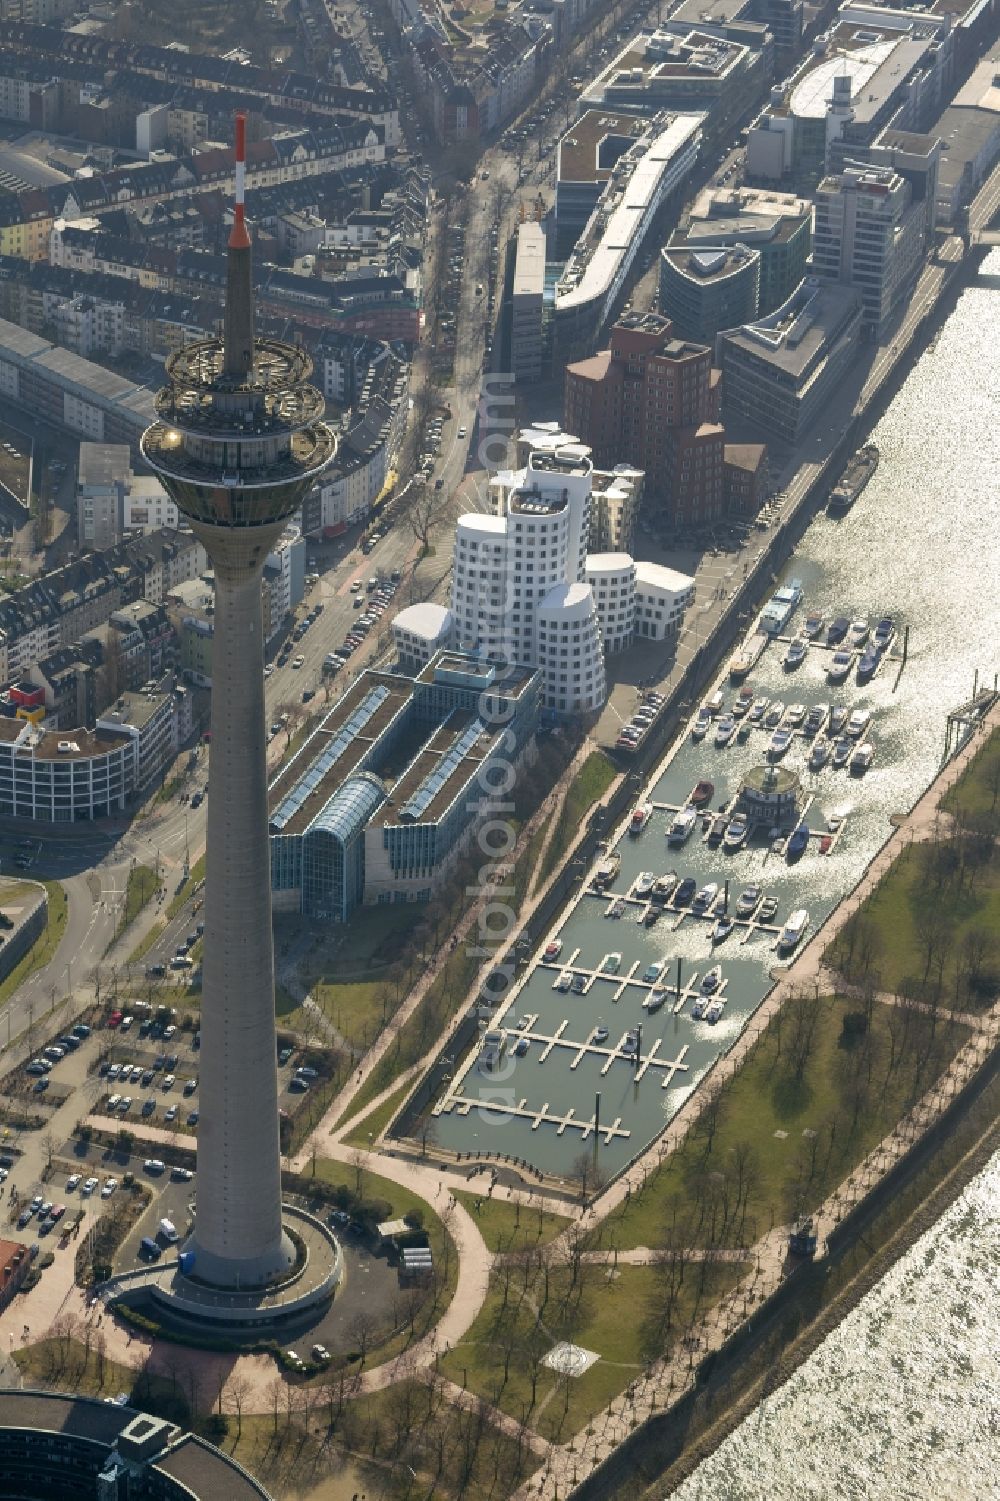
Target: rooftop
529, 263
103, 463
595, 143
793, 337
875, 70
59, 745
658, 576
709, 263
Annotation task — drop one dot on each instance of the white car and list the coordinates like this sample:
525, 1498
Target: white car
110, 1184
89, 1185
72, 1181
463, 432
268, 669
171, 1114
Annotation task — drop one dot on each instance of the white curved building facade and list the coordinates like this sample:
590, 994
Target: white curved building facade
611, 576
570, 650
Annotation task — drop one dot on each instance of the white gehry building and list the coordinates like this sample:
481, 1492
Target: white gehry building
526, 590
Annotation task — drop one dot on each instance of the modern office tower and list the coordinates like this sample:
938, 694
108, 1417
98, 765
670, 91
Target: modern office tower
238, 439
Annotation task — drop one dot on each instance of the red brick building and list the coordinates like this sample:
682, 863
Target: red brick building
653, 400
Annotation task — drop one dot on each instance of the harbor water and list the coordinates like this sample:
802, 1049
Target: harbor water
919, 545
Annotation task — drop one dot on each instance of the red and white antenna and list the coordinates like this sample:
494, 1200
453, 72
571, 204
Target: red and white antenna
239, 239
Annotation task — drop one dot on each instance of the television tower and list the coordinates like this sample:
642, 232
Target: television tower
239, 438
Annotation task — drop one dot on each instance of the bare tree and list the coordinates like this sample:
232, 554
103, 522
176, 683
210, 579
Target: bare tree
425, 509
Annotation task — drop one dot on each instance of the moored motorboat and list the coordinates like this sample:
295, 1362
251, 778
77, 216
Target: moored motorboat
838, 718
611, 963
837, 629
685, 891
815, 718
711, 980
862, 758
736, 832
793, 930
618, 907
564, 980
699, 1007
757, 710
796, 842
651, 915
705, 897
768, 908
780, 741
857, 724
640, 818
820, 754
700, 724
654, 1000
607, 868
723, 928
552, 949
663, 886
742, 702
579, 984
715, 1009
644, 883
748, 901
868, 663
702, 794
774, 714
682, 826
717, 829
795, 714
796, 653
813, 625
857, 633
600, 1033
840, 666
725, 730
780, 608
884, 632
842, 752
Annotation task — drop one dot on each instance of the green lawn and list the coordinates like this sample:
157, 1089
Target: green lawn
193, 881
511, 1227
44, 946
376, 1121
617, 1314
142, 886
805, 1106
930, 929
976, 794
587, 788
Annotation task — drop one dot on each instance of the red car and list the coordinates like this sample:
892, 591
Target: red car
58, 1212
115, 1018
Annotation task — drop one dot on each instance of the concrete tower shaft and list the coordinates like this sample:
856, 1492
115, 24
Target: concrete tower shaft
238, 440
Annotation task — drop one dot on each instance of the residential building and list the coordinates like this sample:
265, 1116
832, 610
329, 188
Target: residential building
284, 580
151, 719
102, 473
527, 301
661, 597
780, 372
349, 827
55, 776
191, 607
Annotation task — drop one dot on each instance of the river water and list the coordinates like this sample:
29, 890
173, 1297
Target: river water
920, 545
903, 1398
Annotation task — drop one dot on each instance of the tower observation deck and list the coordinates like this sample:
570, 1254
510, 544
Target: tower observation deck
239, 438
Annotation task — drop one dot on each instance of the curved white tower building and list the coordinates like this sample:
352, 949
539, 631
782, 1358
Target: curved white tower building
238, 440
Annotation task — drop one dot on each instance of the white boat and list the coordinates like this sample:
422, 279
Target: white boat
611, 963
816, 718
607, 868
857, 633
644, 883
748, 656
711, 980
757, 710
700, 1007
820, 754
862, 758
564, 981
722, 929
682, 827
652, 972
793, 930
617, 908
774, 715
857, 724
493, 1049
705, 897
736, 832
725, 730
795, 714
700, 724
748, 901
654, 1000
714, 1011
840, 665
813, 625
780, 608
640, 818
780, 741
552, 949
663, 886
